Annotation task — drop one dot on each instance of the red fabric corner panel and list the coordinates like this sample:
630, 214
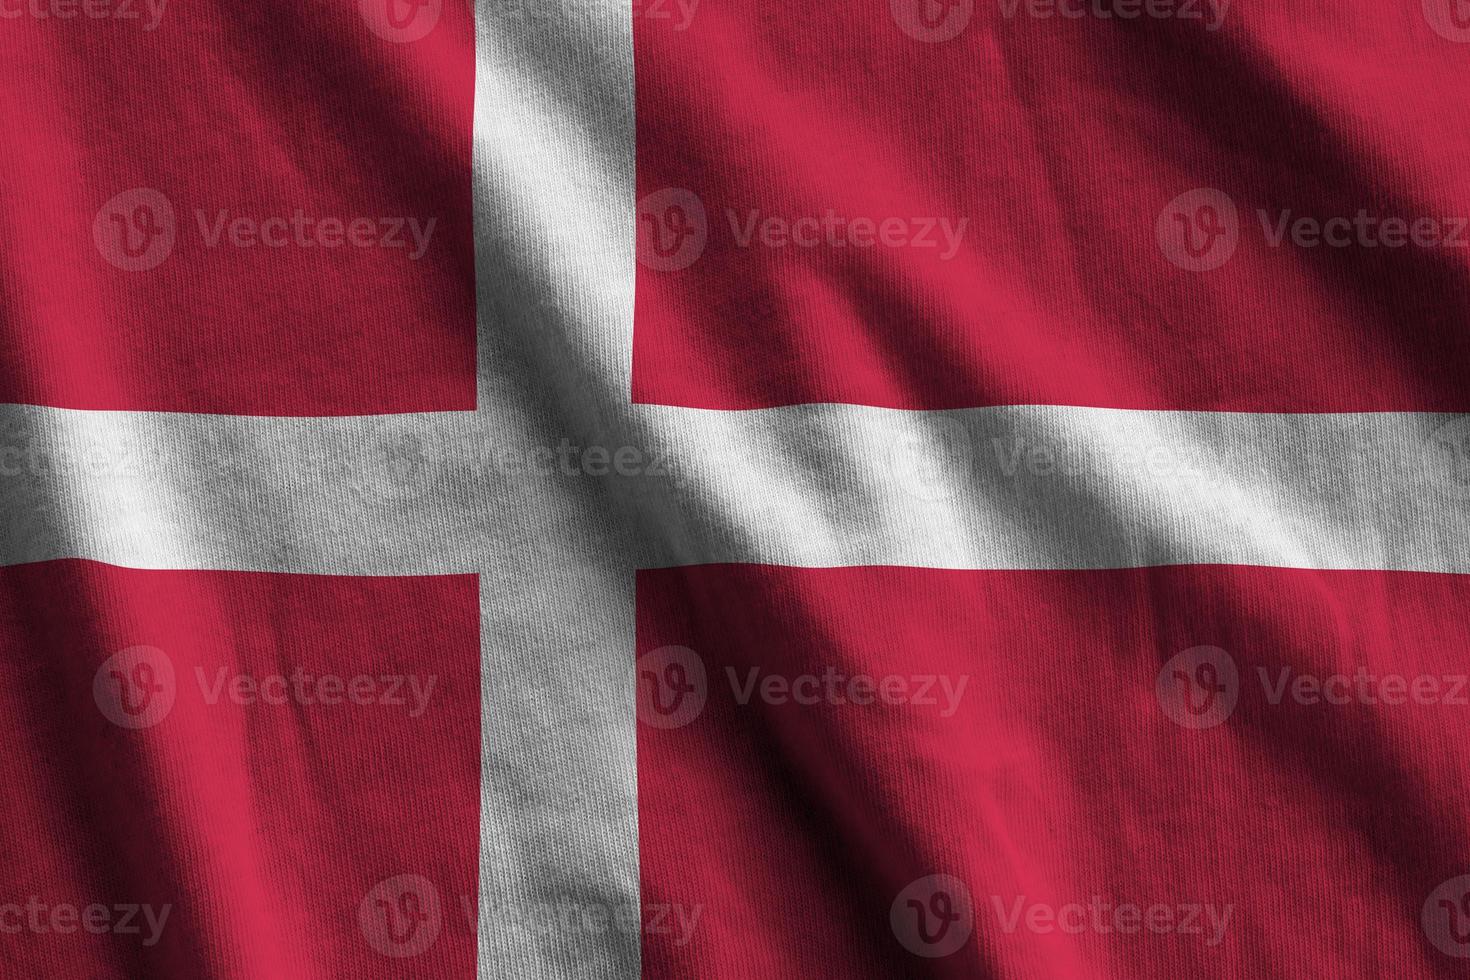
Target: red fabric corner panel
259, 210
1153, 204
1199, 771
237, 774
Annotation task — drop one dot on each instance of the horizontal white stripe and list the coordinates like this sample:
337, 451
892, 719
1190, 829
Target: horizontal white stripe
1026, 487
1058, 487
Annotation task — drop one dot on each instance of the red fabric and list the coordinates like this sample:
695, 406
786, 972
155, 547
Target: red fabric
1061, 142
264, 828
257, 111
1059, 775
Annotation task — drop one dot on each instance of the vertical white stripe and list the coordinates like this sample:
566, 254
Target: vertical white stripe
554, 201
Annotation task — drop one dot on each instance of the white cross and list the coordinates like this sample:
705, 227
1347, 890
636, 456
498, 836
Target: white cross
807, 486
